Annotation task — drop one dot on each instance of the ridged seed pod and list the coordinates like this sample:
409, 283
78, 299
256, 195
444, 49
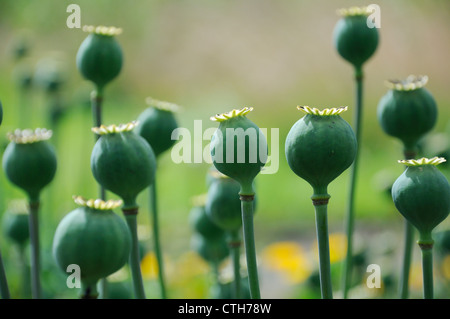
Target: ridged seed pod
422, 195
353, 38
99, 58
408, 110
239, 148
123, 162
29, 161
320, 146
156, 125
96, 239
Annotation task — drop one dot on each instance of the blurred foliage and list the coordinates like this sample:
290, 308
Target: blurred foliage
211, 57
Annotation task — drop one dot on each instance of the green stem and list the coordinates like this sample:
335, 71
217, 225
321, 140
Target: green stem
235, 245
4, 290
427, 269
216, 275
89, 292
320, 202
350, 215
426, 246
156, 239
96, 106
408, 153
25, 273
35, 250
249, 242
407, 256
135, 260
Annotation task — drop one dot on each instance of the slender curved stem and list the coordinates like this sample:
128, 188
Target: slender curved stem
350, 215
249, 242
35, 250
135, 260
427, 270
4, 290
408, 243
320, 203
235, 245
156, 239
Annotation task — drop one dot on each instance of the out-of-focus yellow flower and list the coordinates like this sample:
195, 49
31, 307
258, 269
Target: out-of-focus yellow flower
415, 276
446, 267
338, 247
289, 258
149, 266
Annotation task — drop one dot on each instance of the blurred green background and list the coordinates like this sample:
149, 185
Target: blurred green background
210, 57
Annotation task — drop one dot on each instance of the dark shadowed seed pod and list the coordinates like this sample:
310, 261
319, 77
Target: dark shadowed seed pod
201, 222
355, 41
408, 110
320, 146
99, 58
422, 195
123, 162
156, 125
212, 251
29, 161
16, 222
96, 239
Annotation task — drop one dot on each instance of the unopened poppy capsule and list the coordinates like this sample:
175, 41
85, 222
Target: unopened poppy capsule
29, 161
93, 237
320, 146
408, 110
123, 162
99, 57
355, 41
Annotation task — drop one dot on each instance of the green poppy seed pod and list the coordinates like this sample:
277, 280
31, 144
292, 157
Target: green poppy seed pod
29, 161
156, 125
355, 41
93, 237
99, 58
201, 222
223, 205
320, 146
408, 110
123, 162
16, 222
239, 148
213, 251
422, 195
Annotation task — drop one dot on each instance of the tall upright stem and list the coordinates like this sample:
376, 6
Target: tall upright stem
249, 243
235, 245
4, 290
156, 239
35, 249
96, 106
427, 271
408, 244
350, 215
320, 202
135, 260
